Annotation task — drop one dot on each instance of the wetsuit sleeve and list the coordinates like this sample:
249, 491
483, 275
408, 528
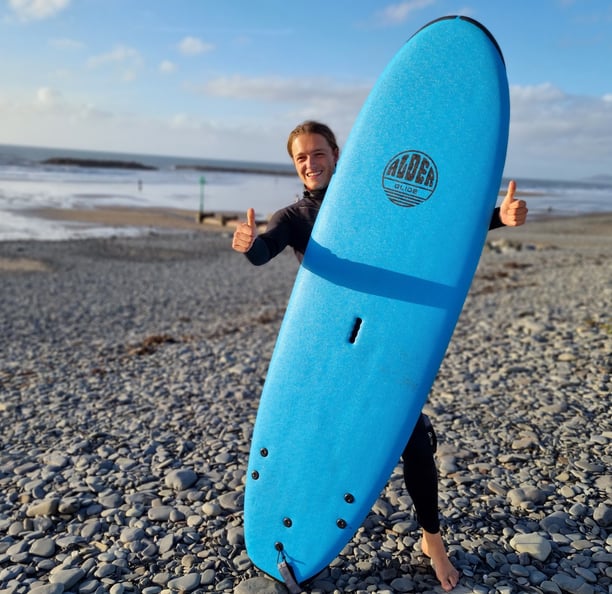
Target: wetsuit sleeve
495, 220
259, 253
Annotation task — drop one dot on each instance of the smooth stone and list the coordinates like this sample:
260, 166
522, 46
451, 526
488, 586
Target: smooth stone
549, 587
55, 461
46, 507
208, 577
525, 495
132, 534
185, 583
90, 529
235, 535
603, 515
232, 501
586, 574
160, 513
166, 544
43, 547
260, 585
572, 585
604, 483
537, 577
180, 479
403, 528
48, 589
402, 584
89, 587
112, 500
211, 509
554, 523
534, 545
66, 577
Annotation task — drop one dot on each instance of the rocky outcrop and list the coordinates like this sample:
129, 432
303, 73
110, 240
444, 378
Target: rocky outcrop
101, 163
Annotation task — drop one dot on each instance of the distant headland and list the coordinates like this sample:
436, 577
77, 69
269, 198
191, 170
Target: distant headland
238, 167
99, 163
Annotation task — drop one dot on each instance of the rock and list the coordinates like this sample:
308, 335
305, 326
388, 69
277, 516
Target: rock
43, 547
181, 479
603, 515
534, 545
66, 577
554, 522
48, 589
525, 495
185, 583
572, 585
402, 584
46, 507
260, 585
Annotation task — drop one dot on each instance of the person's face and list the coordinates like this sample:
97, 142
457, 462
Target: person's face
314, 160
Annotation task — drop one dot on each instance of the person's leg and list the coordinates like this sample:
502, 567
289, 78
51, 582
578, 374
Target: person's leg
421, 480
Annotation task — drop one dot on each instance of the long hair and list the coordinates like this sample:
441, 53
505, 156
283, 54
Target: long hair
312, 127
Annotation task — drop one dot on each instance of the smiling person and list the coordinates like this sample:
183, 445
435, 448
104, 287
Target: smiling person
314, 151
313, 148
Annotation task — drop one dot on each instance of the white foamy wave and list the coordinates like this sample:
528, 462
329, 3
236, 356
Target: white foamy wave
28, 183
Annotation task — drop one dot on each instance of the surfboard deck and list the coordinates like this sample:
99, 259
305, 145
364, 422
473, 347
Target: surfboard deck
380, 289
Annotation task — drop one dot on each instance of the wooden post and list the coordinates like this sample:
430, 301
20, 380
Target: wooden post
201, 212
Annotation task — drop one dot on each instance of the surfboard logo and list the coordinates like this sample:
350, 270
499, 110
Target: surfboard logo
410, 178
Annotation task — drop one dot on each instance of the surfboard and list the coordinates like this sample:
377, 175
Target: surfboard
375, 302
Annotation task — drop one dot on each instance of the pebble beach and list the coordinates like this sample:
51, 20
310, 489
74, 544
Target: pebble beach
130, 375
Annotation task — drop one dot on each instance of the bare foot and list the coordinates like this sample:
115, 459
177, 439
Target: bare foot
433, 546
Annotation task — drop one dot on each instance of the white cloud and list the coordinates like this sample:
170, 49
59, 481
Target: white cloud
65, 43
278, 89
126, 59
396, 14
47, 98
192, 46
121, 55
182, 121
167, 67
37, 9
552, 131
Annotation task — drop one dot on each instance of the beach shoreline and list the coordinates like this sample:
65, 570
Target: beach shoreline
174, 218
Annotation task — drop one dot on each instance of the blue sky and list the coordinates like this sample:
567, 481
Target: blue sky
230, 79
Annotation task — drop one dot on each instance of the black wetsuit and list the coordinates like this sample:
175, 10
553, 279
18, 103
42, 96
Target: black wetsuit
292, 226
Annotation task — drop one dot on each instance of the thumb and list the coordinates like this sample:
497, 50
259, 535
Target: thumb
251, 218
510, 193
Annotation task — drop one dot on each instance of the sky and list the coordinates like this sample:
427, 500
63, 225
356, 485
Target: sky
230, 79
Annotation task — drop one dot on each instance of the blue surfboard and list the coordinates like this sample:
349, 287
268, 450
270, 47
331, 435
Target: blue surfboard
385, 275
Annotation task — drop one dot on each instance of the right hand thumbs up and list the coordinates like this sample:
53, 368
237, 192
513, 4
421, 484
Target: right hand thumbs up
245, 233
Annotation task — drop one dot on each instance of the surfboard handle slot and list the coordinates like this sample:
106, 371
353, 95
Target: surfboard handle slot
355, 331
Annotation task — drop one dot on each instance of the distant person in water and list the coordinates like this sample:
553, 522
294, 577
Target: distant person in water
313, 148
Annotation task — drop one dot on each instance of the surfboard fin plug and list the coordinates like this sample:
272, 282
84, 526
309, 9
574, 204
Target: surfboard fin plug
285, 570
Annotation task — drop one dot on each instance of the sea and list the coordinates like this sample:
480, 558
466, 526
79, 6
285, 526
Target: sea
32, 178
